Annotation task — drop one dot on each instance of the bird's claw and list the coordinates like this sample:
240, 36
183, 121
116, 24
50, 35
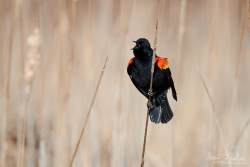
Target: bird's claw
150, 93
149, 104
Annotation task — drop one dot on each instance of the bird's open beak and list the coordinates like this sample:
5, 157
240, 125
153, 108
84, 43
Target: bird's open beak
134, 46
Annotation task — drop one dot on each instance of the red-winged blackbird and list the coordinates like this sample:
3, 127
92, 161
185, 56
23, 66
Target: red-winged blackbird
139, 71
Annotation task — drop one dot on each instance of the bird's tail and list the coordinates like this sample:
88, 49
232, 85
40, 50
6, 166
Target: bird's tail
159, 110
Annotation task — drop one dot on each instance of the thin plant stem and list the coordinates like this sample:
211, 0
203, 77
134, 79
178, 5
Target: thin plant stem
144, 142
242, 132
88, 114
244, 19
215, 118
248, 8
7, 100
150, 91
21, 151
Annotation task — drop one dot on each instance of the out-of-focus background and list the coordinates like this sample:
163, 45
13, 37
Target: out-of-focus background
51, 56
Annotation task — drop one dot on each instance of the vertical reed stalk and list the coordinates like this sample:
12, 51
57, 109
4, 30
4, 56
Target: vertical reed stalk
32, 61
239, 58
144, 141
180, 38
245, 20
248, 7
22, 148
7, 101
150, 91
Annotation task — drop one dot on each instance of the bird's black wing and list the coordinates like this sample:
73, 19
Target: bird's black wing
130, 71
163, 65
168, 74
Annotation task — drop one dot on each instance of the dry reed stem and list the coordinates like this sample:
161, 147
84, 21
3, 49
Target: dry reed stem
119, 125
144, 141
242, 132
19, 24
4, 116
245, 19
48, 20
150, 91
31, 63
180, 38
21, 149
216, 120
248, 15
66, 78
88, 114
7, 100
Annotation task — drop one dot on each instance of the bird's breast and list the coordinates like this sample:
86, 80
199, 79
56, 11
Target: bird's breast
142, 74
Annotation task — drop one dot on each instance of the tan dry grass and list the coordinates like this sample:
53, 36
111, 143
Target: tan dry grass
77, 36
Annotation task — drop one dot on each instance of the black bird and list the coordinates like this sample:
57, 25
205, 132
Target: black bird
139, 71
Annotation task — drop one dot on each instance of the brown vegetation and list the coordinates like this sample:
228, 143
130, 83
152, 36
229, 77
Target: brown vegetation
51, 56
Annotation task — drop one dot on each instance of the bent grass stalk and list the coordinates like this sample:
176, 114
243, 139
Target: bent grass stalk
242, 132
216, 120
88, 114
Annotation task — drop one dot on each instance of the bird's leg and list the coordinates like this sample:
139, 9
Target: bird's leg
150, 94
149, 104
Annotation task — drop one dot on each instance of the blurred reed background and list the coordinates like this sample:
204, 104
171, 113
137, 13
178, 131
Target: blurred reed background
51, 55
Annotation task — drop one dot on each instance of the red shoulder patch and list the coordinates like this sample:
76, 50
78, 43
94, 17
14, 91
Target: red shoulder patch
131, 61
162, 63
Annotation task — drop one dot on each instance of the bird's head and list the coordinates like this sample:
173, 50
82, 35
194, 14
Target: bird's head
142, 48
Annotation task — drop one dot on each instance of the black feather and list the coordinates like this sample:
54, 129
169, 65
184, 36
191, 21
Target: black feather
139, 70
